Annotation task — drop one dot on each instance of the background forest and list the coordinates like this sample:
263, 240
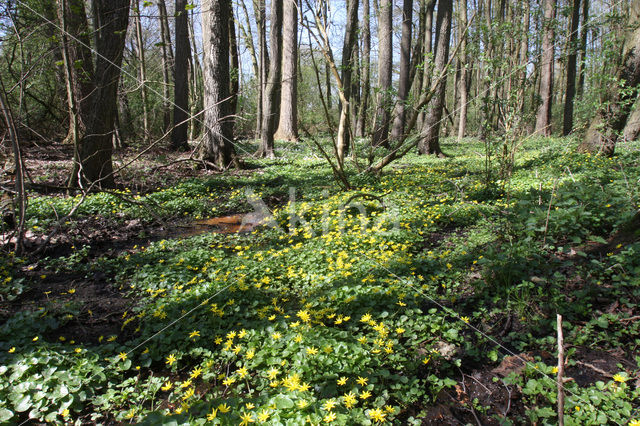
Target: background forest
350, 212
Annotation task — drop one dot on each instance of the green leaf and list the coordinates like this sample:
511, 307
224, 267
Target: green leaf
5, 415
283, 402
23, 404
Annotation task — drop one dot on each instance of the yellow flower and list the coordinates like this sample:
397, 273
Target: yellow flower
122, 355
212, 415
365, 318
12, 350
228, 381
242, 333
246, 419
263, 416
298, 338
35, 339
304, 387
377, 415
65, 412
329, 404
554, 370
365, 395
389, 409
619, 378
242, 372
426, 360
362, 381
329, 417
350, 399
634, 422
194, 334
272, 373
195, 372
400, 330
250, 353
188, 394
171, 359
312, 351
304, 316
186, 384
223, 408
276, 335
167, 386
465, 319
342, 381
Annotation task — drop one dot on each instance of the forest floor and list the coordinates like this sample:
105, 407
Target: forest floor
427, 295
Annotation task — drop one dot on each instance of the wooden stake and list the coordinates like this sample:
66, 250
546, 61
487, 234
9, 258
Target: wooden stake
560, 373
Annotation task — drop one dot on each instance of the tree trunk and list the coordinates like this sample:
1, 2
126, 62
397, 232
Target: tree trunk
583, 47
343, 140
610, 121
272, 89
142, 72
288, 125
80, 81
217, 141
196, 82
403, 82
361, 126
264, 63
167, 63
234, 72
543, 117
523, 62
385, 60
179, 133
632, 128
430, 140
92, 159
463, 88
427, 48
572, 47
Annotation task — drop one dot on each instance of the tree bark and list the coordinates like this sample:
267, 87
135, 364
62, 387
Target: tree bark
385, 60
179, 133
572, 47
366, 71
632, 128
217, 141
142, 69
92, 159
403, 82
343, 140
430, 140
427, 48
543, 117
167, 63
272, 89
288, 125
264, 63
610, 121
234, 72
583, 47
463, 88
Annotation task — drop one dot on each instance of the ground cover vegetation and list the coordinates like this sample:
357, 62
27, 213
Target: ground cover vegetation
378, 313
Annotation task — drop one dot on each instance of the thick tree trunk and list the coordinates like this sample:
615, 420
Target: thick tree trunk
288, 125
385, 60
632, 128
427, 47
361, 125
463, 88
610, 121
217, 141
272, 89
167, 63
543, 117
572, 47
92, 160
179, 133
403, 82
430, 140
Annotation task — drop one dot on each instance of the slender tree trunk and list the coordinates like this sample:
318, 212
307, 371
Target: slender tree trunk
234, 87
366, 68
524, 56
179, 133
543, 117
247, 35
403, 82
272, 90
92, 160
195, 81
430, 140
167, 63
428, 50
264, 63
80, 78
217, 142
463, 90
572, 47
610, 121
143, 72
327, 67
288, 125
343, 140
583, 47
385, 60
